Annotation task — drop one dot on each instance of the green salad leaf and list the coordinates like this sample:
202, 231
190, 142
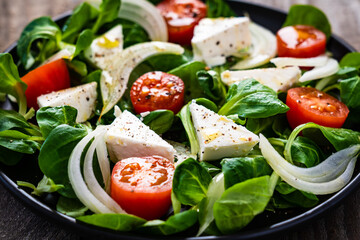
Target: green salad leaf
16, 141
340, 138
187, 72
109, 10
82, 16
174, 224
55, 153
118, 222
84, 41
10, 82
48, 36
351, 60
160, 121
49, 118
296, 198
71, 207
218, 8
46, 185
349, 89
240, 169
240, 203
10, 119
190, 182
251, 99
17, 137
212, 85
308, 15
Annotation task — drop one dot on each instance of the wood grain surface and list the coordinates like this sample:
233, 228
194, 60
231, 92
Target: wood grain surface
18, 222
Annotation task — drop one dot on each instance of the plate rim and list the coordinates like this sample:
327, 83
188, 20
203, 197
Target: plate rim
69, 223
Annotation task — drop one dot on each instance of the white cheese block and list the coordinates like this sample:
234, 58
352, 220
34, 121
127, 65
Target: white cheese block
279, 79
219, 136
129, 137
104, 48
82, 97
217, 38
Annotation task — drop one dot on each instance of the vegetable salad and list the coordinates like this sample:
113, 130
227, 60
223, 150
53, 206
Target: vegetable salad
179, 117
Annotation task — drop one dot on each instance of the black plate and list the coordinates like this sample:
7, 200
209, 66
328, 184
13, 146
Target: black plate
263, 225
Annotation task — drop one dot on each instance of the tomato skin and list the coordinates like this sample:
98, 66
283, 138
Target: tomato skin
311, 105
300, 41
50, 77
157, 90
181, 17
142, 185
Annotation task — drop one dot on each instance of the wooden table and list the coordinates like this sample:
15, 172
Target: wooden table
18, 222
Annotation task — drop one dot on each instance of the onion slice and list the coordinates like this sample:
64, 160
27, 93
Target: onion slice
300, 62
215, 190
331, 67
76, 179
327, 170
102, 155
263, 48
143, 13
146, 15
319, 188
114, 81
91, 180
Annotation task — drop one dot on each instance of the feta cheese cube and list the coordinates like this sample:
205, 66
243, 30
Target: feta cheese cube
279, 79
219, 136
217, 38
104, 48
129, 137
82, 97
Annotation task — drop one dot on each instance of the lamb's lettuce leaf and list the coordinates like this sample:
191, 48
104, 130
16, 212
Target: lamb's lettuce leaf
83, 42
109, 10
49, 118
174, 224
82, 17
159, 121
46, 33
251, 99
71, 207
46, 185
212, 86
10, 82
187, 72
190, 182
240, 203
240, 169
219, 8
308, 15
55, 153
118, 222
294, 197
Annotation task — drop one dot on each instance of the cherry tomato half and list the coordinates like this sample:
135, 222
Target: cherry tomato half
50, 77
157, 90
300, 41
181, 17
311, 105
142, 185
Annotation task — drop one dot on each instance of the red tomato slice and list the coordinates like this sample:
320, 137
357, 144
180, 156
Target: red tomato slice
181, 17
142, 185
300, 41
311, 105
50, 77
157, 90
